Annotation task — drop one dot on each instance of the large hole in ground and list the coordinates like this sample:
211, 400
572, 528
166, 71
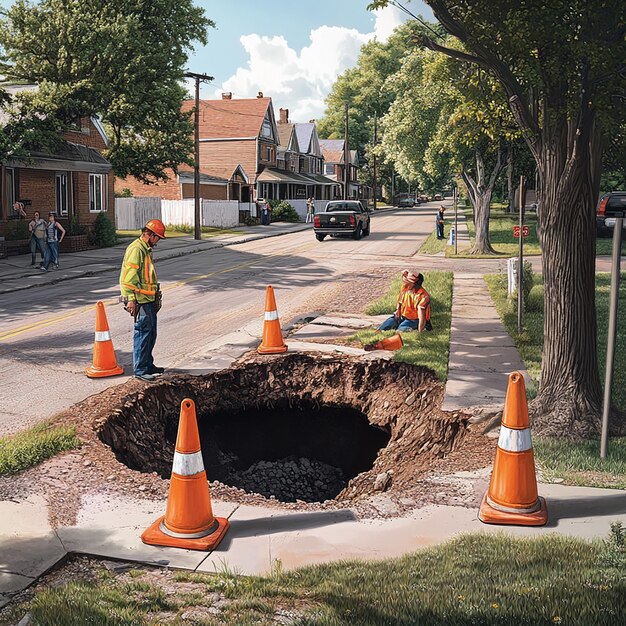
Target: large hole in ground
295, 427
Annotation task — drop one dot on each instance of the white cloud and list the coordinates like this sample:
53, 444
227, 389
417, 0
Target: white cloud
300, 81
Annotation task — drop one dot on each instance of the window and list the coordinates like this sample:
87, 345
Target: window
61, 193
97, 189
330, 168
10, 190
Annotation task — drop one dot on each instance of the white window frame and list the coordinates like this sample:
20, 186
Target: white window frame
9, 174
62, 204
97, 204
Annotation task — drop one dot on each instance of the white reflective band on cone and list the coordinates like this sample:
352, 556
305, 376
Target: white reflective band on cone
187, 464
103, 335
270, 316
513, 440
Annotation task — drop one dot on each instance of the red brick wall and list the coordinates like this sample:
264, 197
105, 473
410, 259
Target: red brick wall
169, 190
208, 192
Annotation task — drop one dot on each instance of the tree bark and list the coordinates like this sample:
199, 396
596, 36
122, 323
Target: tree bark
509, 181
480, 192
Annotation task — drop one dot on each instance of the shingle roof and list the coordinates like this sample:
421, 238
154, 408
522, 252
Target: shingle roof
332, 149
304, 132
284, 134
221, 119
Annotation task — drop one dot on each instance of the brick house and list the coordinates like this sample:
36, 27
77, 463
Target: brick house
334, 168
75, 181
238, 140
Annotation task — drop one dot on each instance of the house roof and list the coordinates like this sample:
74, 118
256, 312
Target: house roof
304, 132
186, 176
69, 156
332, 149
285, 132
230, 119
273, 175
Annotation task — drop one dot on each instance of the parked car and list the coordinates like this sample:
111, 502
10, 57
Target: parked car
611, 205
437, 196
403, 200
342, 217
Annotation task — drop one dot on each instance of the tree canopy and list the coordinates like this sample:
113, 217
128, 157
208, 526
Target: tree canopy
120, 60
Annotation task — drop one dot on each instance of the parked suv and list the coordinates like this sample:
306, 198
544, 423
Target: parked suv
611, 205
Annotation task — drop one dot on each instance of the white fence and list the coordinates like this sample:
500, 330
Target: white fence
133, 213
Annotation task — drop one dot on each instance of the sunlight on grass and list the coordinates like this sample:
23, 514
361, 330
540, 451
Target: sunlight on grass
182, 230
31, 447
429, 349
476, 578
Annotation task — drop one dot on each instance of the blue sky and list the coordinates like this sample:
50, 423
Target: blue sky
290, 50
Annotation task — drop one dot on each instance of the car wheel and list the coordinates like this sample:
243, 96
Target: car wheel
320, 237
358, 233
366, 231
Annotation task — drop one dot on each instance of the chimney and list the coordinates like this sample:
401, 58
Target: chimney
284, 116
311, 121
227, 95
260, 94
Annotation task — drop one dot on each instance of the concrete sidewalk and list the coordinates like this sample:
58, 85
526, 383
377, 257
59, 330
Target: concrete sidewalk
16, 273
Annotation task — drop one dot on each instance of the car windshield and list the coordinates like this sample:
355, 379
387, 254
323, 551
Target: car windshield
342, 206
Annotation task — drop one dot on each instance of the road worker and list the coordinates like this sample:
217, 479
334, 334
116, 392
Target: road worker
422, 301
403, 306
142, 297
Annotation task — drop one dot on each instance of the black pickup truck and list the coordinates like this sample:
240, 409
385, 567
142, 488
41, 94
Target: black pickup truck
342, 217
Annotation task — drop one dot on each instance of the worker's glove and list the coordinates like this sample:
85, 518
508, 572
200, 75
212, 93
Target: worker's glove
158, 299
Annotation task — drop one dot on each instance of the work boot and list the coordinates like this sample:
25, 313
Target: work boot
149, 378
156, 370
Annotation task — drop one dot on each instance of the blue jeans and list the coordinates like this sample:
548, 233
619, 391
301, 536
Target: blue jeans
399, 323
144, 339
52, 254
37, 243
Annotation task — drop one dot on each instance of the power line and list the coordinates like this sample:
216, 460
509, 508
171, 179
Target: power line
396, 4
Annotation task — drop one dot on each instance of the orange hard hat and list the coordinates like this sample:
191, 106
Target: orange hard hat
157, 227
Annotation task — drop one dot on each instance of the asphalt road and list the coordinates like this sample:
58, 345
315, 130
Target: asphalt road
46, 334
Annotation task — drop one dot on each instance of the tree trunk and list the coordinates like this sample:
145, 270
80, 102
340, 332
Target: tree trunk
509, 181
480, 192
569, 402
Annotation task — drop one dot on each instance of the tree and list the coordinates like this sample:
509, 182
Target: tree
561, 64
120, 60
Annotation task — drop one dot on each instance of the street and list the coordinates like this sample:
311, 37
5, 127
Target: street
46, 333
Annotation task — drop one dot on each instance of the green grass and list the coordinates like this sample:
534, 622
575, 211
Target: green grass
181, 230
574, 463
429, 349
480, 579
32, 446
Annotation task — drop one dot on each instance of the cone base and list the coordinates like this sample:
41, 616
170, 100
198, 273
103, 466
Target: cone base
93, 372
154, 536
488, 515
269, 350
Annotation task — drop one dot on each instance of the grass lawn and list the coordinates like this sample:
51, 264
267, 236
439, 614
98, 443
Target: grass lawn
429, 349
501, 232
474, 579
184, 230
30, 447
575, 463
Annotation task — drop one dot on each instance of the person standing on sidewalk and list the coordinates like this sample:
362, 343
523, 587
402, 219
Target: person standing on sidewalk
53, 229
37, 228
142, 297
310, 210
440, 222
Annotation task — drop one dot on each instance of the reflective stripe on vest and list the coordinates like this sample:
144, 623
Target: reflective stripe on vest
270, 316
513, 440
187, 464
103, 335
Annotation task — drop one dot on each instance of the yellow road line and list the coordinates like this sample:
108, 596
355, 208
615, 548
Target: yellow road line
8, 334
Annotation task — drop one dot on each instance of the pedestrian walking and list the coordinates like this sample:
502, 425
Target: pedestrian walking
266, 212
54, 236
141, 295
310, 210
37, 229
440, 222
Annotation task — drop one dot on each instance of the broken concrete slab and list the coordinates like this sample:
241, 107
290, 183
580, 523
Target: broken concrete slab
303, 346
319, 331
349, 321
10, 584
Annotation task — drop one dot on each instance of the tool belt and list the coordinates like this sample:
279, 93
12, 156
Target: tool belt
158, 298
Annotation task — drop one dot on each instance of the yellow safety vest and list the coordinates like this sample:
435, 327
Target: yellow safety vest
138, 280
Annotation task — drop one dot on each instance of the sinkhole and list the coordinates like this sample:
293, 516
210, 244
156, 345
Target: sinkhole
294, 427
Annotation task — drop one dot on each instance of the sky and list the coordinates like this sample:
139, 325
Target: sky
291, 50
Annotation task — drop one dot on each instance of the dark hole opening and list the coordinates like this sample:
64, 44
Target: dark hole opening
304, 453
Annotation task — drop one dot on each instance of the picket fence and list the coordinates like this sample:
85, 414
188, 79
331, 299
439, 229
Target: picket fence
133, 213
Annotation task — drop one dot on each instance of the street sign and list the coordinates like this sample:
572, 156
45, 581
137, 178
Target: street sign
525, 231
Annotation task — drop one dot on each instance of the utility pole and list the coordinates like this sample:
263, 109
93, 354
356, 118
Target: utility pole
375, 143
346, 154
520, 262
197, 222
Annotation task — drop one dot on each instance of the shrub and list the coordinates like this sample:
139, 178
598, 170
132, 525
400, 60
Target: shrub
528, 277
283, 211
74, 228
16, 229
103, 232
125, 193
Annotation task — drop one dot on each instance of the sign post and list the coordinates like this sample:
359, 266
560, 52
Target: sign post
610, 345
520, 262
456, 223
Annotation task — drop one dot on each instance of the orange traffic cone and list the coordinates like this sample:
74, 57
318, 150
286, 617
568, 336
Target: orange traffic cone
104, 362
512, 497
272, 342
388, 343
188, 521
